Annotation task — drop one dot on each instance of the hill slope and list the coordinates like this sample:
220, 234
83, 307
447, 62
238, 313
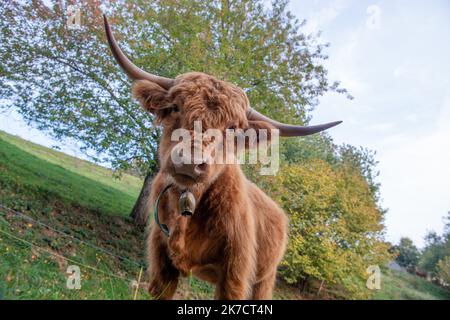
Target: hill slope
397, 285
91, 206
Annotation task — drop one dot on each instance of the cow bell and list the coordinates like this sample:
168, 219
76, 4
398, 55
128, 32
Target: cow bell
187, 203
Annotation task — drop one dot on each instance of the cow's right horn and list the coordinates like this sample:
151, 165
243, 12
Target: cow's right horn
131, 69
288, 130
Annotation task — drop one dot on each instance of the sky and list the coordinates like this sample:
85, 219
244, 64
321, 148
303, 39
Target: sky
394, 58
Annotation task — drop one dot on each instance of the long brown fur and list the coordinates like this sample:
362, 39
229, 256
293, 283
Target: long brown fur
237, 235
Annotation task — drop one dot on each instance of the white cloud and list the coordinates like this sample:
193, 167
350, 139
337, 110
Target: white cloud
399, 71
413, 117
326, 15
381, 127
416, 180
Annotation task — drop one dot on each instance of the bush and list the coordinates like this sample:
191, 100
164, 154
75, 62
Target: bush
335, 225
407, 254
437, 248
443, 270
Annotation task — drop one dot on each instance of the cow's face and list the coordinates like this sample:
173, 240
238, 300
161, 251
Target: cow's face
196, 98
201, 117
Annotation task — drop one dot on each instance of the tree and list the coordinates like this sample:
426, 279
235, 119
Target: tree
65, 82
364, 161
443, 270
437, 250
408, 254
446, 234
336, 227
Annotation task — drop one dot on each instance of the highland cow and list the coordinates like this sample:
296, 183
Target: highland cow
236, 236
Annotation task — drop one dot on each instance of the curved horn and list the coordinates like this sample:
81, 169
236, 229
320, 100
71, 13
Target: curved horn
130, 69
287, 130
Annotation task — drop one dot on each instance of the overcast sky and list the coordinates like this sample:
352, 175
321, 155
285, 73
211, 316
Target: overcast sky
394, 58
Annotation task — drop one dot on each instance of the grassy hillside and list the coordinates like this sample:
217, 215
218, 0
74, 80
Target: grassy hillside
89, 205
128, 184
397, 285
78, 215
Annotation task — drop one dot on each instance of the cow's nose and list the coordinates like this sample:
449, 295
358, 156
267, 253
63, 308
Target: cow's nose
189, 167
200, 168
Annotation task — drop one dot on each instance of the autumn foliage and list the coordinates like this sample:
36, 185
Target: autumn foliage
335, 226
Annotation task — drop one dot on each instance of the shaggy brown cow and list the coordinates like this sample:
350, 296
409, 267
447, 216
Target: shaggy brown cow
237, 234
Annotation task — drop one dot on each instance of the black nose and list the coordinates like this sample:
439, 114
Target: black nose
188, 166
191, 170
201, 168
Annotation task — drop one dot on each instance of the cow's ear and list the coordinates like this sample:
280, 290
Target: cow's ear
151, 96
263, 132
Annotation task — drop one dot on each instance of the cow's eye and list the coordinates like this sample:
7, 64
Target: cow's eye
175, 108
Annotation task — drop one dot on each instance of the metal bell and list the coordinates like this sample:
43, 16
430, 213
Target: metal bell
187, 203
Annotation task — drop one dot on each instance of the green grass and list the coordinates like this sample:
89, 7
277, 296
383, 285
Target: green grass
32, 175
127, 184
397, 285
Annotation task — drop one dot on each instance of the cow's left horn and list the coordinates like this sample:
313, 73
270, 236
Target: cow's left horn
131, 69
287, 130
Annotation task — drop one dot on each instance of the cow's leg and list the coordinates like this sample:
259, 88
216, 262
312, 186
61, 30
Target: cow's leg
235, 283
263, 289
163, 275
176, 243
239, 266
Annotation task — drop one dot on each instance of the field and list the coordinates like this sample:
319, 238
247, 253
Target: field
67, 211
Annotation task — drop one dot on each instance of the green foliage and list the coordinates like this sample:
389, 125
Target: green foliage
66, 83
302, 150
362, 160
443, 270
437, 249
407, 253
335, 225
322, 147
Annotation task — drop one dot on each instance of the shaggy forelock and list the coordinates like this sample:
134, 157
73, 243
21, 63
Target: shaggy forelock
214, 102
